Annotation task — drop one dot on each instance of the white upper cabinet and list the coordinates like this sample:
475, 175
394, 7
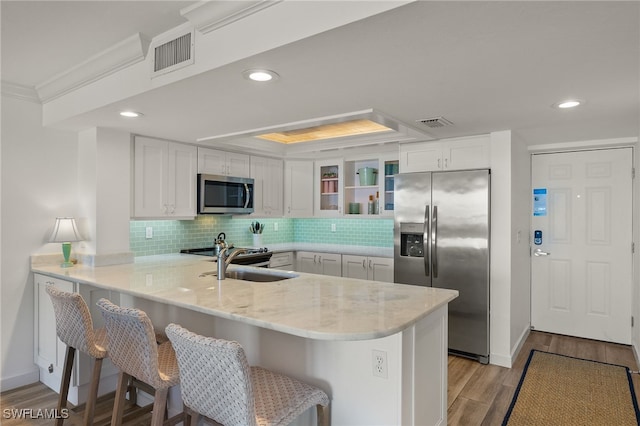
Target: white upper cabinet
214, 162
268, 189
446, 154
298, 188
164, 179
328, 184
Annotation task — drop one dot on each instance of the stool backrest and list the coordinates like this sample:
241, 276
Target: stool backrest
74, 325
215, 377
132, 342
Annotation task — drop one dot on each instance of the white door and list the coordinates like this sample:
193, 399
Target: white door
581, 269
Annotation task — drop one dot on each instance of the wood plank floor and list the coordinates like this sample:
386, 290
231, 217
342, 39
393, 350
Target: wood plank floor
39, 397
481, 394
477, 394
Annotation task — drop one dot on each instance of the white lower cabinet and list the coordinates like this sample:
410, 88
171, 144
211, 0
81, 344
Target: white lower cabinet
319, 263
368, 268
49, 351
283, 261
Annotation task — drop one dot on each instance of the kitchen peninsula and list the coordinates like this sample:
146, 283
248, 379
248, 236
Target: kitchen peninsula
328, 331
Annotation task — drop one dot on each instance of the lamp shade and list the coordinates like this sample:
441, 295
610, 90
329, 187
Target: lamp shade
65, 231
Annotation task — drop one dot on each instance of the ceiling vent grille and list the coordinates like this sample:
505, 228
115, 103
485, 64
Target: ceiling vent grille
436, 122
174, 54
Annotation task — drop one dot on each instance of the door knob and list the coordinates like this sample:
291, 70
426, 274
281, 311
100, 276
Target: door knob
539, 252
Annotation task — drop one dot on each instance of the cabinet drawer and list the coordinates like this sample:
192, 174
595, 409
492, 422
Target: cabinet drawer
281, 259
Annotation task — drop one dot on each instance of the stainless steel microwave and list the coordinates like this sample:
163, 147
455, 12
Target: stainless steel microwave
219, 194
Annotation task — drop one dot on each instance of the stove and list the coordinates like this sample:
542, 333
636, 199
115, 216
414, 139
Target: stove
252, 256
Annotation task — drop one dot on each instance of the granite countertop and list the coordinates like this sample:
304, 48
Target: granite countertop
309, 305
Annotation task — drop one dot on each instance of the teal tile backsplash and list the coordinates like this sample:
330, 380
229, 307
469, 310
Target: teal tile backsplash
170, 236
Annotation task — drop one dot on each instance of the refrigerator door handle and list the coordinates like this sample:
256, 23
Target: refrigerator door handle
425, 240
434, 250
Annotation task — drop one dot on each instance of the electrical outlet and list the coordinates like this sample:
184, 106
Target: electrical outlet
148, 233
333, 227
275, 227
379, 361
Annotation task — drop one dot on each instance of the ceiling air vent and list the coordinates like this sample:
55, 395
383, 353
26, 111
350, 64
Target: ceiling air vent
436, 122
172, 55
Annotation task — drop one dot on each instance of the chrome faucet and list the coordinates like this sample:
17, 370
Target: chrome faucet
219, 243
224, 258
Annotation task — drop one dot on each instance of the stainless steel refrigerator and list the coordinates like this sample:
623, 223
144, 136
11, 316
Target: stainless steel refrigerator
441, 239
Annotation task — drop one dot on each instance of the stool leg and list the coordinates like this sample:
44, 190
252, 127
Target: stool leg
159, 405
93, 392
118, 405
64, 384
133, 391
191, 417
323, 415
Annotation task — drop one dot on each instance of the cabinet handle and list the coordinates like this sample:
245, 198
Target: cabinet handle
319, 259
370, 264
438, 163
314, 258
363, 263
172, 208
164, 209
446, 163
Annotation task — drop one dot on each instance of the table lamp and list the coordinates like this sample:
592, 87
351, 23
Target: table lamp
65, 231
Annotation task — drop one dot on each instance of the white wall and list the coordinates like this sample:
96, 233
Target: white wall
38, 183
104, 174
500, 269
635, 336
520, 317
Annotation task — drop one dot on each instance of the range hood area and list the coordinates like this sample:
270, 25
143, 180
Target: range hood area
348, 130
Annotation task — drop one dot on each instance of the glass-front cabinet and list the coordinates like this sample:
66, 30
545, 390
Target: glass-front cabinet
328, 187
369, 186
390, 168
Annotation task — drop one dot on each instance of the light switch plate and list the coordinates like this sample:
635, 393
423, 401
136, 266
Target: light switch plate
148, 232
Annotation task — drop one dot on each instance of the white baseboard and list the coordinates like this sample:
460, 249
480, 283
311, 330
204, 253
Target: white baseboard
518, 347
507, 361
8, 383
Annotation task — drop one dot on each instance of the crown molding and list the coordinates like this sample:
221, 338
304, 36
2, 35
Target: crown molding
18, 91
121, 55
208, 16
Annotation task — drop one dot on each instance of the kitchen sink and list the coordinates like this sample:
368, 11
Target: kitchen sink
250, 275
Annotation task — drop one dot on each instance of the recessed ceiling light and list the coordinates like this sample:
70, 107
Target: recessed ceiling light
260, 75
569, 103
130, 114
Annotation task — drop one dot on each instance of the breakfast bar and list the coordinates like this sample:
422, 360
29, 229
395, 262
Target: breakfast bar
379, 350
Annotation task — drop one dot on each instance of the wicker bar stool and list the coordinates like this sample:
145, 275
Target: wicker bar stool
133, 349
74, 327
217, 382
